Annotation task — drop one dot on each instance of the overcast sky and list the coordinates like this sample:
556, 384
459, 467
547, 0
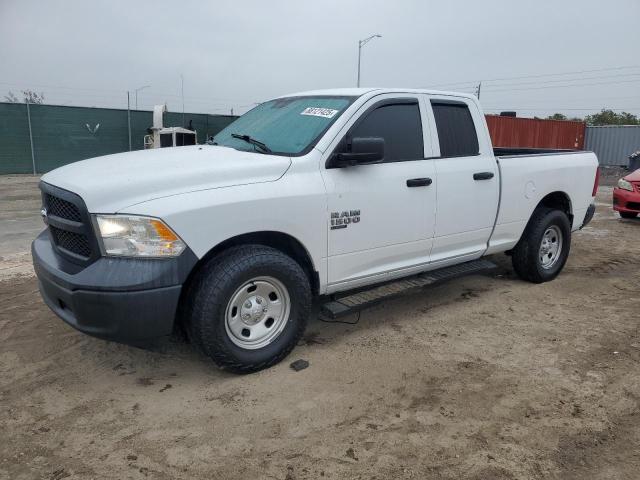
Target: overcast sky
235, 53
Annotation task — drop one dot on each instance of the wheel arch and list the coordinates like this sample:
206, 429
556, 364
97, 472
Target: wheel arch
557, 200
283, 242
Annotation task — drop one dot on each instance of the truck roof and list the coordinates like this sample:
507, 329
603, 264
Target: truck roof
175, 129
357, 92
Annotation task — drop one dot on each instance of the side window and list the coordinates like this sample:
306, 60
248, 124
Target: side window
456, 131
400, 126
166, 140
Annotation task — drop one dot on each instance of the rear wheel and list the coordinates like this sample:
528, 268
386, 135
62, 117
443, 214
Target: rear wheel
544, 247
628, 214
247, 307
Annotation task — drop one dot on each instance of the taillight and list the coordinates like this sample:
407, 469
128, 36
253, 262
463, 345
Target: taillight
596, 182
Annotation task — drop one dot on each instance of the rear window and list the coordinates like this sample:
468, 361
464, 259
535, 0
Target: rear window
456, 130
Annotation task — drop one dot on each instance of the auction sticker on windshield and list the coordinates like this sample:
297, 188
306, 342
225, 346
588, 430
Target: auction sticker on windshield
319, 112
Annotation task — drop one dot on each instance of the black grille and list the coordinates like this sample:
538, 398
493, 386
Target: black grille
63, 209
633, 205
70, 226
72, 242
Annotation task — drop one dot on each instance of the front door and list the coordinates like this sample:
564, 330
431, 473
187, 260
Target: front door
382, 216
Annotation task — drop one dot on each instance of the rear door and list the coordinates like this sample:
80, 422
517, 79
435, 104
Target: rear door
468, 183
382, 216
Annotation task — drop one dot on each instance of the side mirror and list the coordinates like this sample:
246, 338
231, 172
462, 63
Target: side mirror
363, 151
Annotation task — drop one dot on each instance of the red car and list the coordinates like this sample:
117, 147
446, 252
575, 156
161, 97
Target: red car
626, 196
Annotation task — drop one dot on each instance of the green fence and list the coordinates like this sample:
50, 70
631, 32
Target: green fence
62, 135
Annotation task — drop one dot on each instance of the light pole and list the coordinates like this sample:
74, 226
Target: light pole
182, 94
137, 90
362, 43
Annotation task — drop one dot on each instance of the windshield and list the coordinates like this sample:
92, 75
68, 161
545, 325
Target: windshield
286, 126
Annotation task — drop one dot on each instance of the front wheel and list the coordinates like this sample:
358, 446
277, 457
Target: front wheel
247, 307
628, 214
544, 247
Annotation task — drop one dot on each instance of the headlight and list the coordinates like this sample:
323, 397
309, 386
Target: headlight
134, 236
623, 184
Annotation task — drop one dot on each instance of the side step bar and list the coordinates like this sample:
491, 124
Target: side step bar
353, 302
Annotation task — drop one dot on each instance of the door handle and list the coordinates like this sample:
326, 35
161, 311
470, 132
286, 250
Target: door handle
419, 182
483, 176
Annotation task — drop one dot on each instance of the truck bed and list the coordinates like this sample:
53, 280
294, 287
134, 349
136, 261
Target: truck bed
514, 151
526, 177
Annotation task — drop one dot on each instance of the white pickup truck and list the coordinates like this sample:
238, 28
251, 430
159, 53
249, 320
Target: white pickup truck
308, 195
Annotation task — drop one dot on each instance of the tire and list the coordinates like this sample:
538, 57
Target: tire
216, 306
628, 214
529, 260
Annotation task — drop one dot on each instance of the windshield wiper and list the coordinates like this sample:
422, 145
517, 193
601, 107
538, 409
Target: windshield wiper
252, 141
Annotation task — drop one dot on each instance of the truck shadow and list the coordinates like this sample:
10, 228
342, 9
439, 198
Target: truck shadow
322, 332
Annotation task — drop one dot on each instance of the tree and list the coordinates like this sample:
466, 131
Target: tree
557, 116
33, 97
562, 116
29, 96
609, 117
11, 98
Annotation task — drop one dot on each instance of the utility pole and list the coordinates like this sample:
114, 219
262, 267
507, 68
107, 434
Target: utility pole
182, 93
129, 119
478, 90
362, 43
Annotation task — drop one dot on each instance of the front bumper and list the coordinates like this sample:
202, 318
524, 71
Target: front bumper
121, 299
626, 201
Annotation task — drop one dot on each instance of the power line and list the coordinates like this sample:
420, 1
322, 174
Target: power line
561, 108
119, 93
542, 75
564, 73
561, 86
592, 98
538, 82
23, 85
107, 100
68, 104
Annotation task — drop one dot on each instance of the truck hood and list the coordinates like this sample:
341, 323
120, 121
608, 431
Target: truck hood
110, 183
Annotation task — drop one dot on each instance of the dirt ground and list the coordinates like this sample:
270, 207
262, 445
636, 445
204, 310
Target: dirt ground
484, 377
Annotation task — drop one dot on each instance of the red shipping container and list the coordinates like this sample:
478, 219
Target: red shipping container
517, 132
